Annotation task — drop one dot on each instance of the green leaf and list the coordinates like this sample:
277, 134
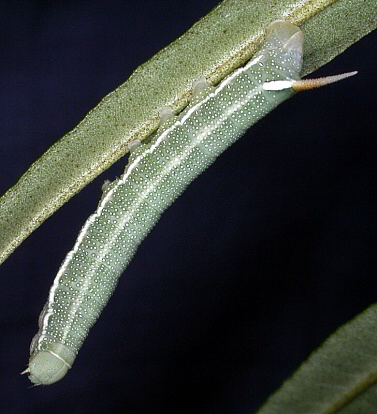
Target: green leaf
220, 42
339, 377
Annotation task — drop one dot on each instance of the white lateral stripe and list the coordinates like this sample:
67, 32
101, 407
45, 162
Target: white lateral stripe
277, 85
121, 181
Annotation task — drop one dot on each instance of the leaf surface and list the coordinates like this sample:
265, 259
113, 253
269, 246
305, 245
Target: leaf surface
216, 45
339, 377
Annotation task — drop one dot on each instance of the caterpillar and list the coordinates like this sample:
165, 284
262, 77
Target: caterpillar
156, 174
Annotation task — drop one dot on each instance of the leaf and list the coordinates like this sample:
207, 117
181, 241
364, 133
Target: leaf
221, 41
234, 218
339, 377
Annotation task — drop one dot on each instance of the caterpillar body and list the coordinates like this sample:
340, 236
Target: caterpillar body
155, 176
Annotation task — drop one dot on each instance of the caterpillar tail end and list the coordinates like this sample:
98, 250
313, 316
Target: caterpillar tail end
46, 368
288, 35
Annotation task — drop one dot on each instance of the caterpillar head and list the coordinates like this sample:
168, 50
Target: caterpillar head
49, 365
46, 368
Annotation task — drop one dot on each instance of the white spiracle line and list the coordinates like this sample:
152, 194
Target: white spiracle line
122, 180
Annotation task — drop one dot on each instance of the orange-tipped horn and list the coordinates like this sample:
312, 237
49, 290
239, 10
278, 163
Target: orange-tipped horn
305, 84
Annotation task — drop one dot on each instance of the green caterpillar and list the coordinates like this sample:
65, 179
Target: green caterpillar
155, 176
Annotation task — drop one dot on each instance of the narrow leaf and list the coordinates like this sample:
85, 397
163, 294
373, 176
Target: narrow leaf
339, 377
221, 41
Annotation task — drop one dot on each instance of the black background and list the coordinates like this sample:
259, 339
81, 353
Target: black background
262, 258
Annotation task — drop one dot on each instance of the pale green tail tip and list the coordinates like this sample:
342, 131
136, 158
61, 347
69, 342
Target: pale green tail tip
46, 368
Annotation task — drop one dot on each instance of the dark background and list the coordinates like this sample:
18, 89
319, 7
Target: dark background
262, 258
